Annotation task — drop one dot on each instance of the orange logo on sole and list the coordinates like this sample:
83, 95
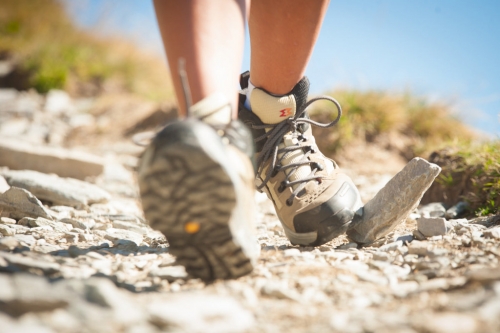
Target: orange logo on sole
286, 112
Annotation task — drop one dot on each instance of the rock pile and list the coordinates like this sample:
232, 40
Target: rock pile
77, 256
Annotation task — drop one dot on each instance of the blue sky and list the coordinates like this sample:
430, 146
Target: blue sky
445, 50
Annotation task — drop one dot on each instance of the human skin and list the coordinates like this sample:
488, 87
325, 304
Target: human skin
282, 37
209, 36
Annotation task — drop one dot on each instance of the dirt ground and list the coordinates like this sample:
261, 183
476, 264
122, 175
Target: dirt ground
98, 267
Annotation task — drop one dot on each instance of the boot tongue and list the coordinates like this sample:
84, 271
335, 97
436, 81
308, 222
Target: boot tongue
272, 109
213, 110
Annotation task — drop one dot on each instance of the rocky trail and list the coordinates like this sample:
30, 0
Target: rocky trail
76, 254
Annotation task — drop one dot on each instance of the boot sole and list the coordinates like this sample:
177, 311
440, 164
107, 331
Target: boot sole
327, 221
326, 232
189, 197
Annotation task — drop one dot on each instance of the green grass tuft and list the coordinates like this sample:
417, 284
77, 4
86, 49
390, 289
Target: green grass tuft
472, 173
40, 38
370, 115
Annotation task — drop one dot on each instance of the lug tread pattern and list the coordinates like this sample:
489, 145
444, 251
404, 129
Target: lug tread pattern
185, 185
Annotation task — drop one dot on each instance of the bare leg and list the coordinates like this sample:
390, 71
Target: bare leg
283, 34
209, 35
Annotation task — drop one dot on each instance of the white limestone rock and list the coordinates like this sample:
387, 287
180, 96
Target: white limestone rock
18, 155
25, 293
7, 220
115, 234
81, 223
8, 244
492, 233
393, 203
170, 273
420, 248
3, 185
59, 191
457, 210
59, 102
17, 103
433, 209
432, 226
201, 312
42, 222
104, 293
28, 263
6, 231
19, 203
25, 240
142, 230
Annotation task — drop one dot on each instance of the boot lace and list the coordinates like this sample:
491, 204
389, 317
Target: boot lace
274, 135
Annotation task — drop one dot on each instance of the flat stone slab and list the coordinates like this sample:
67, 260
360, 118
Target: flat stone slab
23, 293
103, 292
84, 224
394, 202
492, 233
41, 222
59, 191
25, 240
28, 263
6, 231
116, 234
18, 155
170, 273
201, 312
418, 248
117, 224
8, 244
18, 203
433, 209
457, 210
3, 185
432, 226
7, 220
485, 274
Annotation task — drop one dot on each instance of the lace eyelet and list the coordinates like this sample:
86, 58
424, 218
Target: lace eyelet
275, 171
289, 202
316, 165
310, 149
282, 186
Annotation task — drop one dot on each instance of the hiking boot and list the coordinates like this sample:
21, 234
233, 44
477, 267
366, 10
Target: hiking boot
196, 184
314, 200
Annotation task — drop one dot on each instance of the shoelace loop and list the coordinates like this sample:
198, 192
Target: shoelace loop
274, 136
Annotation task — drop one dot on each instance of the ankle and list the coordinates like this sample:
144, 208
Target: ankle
273, 109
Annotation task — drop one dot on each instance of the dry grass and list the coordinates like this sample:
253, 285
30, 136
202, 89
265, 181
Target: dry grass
375, 116
410, 126
39, 36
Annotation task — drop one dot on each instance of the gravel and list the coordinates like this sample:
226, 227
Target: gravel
98, 267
